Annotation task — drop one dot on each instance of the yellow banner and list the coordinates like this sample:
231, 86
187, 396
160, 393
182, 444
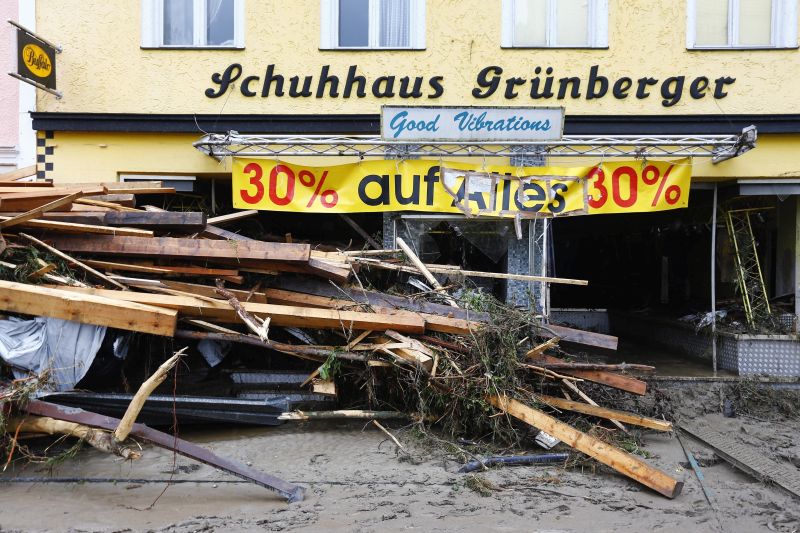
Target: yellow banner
449, 187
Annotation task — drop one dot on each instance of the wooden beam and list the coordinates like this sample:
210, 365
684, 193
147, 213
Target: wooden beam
583, 396
610, 379
231, 217
72, 227
602, 412
184, 248
210, 292
619, 460
74, 261
100, 203
86, 308
213, 232
281, 315
438, 323
578, 336
163, 270
125, 188
178, 220
35, 213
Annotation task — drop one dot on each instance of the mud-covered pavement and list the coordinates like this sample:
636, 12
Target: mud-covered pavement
356, 481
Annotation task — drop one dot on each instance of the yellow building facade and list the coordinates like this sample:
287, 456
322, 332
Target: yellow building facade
143, 81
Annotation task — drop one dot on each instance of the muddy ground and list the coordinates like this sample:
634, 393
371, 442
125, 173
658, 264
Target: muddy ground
357, 481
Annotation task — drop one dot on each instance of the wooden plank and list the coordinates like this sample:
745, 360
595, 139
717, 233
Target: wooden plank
86, 308
74, 261
10, 193
70, 227
433, 322
258, 251
213, 232
162, 270
280, 315
588, 338
210, 292
184, 221
35, 213
602, 412
617, 381
100, 203
37, 184
125, 188
619, 460
232, 217
13, 175
125, 200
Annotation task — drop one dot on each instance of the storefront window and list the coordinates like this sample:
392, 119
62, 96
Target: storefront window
373, 24
742, 24
555, 23
192, 23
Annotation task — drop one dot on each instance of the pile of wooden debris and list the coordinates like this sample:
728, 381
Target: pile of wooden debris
86, 254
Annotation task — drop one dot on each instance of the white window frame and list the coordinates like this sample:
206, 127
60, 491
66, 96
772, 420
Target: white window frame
597, 26
783, 32
329, 27
153, 26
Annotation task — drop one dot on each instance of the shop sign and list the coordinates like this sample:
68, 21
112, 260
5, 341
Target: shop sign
502, 191
36, 60
471, 124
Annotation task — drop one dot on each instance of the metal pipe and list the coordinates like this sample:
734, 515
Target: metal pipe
714, 281
514, 461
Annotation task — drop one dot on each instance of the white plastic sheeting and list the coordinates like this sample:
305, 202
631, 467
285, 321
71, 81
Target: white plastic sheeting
65, 348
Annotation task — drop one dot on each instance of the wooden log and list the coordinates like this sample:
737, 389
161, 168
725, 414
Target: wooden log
619, 460
424, 270
281, 315
71, 227
603, 412
74, 261
66, 304
145, 390
97, 438
262, 330
184, 248
166, 220
610, 379
35, 213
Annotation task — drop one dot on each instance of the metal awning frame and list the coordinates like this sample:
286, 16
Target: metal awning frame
718, 147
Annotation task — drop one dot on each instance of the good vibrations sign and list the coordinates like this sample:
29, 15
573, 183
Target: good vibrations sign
450, 187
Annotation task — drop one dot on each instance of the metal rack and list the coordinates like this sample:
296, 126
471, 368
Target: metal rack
748, 267
717, 147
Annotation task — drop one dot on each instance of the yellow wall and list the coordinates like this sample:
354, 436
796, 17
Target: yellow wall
103, 68
94, 157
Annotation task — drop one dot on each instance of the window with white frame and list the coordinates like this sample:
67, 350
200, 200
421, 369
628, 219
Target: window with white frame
718, 24
555, 24
193, 23
372, 24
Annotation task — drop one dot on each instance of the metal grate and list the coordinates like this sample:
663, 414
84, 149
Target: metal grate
717, 147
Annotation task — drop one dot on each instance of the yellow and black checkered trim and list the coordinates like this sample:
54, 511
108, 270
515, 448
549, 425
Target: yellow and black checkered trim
44, 152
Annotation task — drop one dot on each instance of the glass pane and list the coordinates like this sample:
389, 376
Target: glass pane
353, 22
219, 23
395, 23
711, 23
755, 22
572, 23
178, 22
530, 23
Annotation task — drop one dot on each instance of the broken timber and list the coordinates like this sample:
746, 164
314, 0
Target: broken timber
86, 308
619, 460
292, 493
618, 381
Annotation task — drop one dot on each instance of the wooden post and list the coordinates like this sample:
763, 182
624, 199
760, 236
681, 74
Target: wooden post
425, 272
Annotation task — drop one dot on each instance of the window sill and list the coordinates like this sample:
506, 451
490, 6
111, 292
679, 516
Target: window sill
554, 47
191, 47
369, 49
737, 48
